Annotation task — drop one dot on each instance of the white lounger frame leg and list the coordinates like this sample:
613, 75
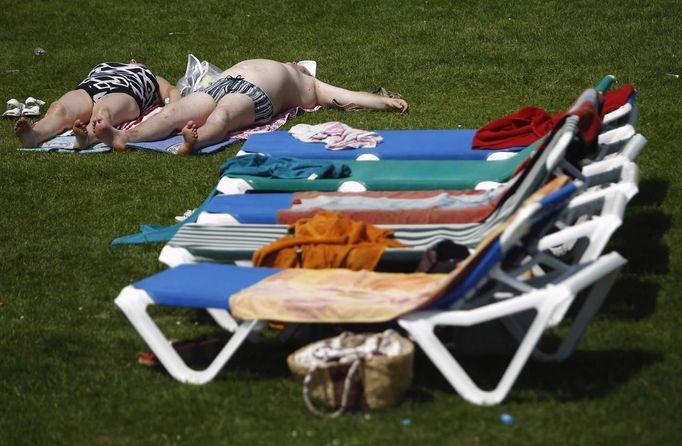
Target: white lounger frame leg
420, 326
597, 232
134, 303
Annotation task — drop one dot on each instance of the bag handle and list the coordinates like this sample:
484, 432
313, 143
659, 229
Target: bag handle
344, 397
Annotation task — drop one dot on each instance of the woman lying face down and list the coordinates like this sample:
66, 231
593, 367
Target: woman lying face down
112, 93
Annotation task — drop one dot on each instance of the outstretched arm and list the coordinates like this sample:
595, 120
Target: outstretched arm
167, 90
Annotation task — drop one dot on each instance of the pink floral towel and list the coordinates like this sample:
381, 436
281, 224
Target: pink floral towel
336, 135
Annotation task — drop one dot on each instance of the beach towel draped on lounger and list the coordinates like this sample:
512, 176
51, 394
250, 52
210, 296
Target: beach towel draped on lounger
394, 207
336, 135
328, 240
526, 125
283, 167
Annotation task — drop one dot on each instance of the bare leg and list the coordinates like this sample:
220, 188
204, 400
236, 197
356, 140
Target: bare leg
328, 94
61, 115
114, 109
196, 107
234, 111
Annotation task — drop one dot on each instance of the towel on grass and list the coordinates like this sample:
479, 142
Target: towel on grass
65, 143
328, 240
336, 135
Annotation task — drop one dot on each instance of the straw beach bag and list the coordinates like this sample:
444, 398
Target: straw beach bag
354, 371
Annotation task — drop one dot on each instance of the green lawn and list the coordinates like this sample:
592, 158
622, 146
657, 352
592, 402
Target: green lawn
68, 373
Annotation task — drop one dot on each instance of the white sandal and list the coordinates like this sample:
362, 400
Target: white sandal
14, 109
32, 107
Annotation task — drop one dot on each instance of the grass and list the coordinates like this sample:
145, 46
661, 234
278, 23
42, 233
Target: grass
67, 370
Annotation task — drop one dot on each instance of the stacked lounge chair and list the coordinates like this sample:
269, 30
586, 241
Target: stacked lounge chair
536, 251
445, 302
557, 152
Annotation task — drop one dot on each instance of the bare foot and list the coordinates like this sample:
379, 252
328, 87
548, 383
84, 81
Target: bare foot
110, 136
190, 136
24, 131
81, 131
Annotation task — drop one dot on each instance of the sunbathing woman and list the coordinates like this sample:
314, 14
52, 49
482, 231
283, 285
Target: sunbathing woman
249, 93
112, 93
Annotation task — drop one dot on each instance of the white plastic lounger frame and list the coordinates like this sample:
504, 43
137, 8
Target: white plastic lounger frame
626, 114
134, 302
544, 301
596, 234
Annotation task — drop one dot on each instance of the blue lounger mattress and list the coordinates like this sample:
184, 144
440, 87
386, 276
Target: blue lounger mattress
195, 285
446, 144
251, 208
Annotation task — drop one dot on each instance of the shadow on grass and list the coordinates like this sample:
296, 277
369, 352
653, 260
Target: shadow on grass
264, 354
584, 376
640, 241
640, 238
631, 298
652, 192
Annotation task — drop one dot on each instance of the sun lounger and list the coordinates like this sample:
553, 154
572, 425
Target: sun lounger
427, 144
397, 175
431, 144
501, 262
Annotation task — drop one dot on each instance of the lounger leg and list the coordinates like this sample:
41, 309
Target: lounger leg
420, 327
589, 308
134, 304
224, 319
593, 302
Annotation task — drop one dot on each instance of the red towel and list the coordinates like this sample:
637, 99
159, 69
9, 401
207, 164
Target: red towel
519, 129
615, 99
529, 124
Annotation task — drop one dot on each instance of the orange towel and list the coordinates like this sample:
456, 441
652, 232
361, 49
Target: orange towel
328, 240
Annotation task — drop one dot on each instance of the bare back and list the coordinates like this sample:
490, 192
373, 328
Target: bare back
285, 85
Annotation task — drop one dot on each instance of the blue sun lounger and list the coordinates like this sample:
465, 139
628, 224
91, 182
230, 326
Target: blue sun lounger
427, 144
446, 144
